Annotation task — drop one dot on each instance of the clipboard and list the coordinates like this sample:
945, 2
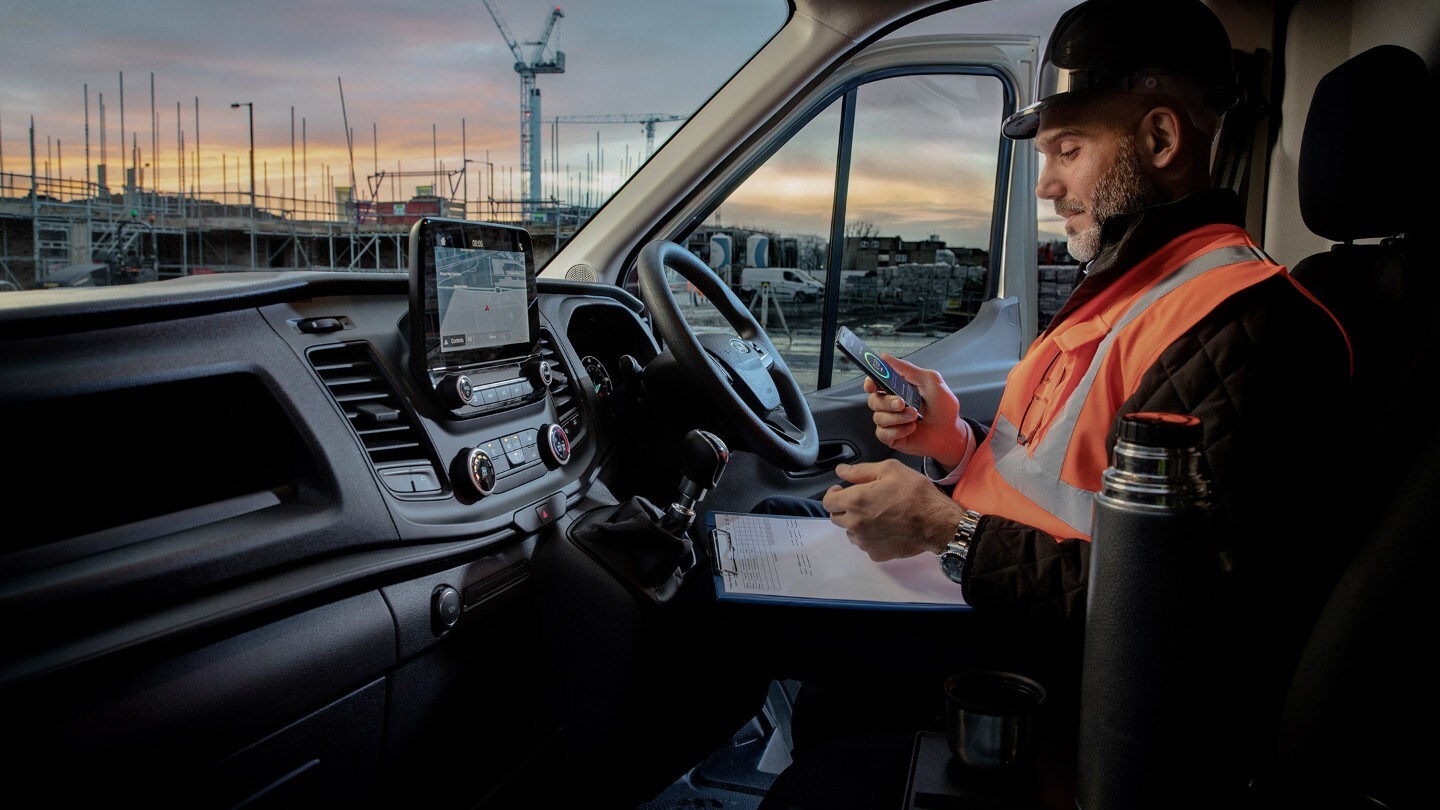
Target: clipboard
796, 560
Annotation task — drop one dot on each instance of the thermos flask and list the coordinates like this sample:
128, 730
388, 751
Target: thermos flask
1151, 590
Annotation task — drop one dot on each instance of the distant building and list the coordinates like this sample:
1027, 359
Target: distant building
866, 253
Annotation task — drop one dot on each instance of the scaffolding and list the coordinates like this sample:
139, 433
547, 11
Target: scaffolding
47, 224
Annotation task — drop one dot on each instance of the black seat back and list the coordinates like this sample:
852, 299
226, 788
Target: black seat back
1359, 722
1359, 181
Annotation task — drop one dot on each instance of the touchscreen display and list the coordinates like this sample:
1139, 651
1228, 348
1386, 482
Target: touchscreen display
472, 294
482, 298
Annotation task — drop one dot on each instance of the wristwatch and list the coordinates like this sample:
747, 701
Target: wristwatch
952, 559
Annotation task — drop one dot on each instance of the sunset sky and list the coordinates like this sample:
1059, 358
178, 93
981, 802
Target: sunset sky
421, 89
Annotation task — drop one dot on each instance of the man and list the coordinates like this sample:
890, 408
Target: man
1176, 309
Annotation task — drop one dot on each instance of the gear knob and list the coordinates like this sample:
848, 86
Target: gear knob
703, 457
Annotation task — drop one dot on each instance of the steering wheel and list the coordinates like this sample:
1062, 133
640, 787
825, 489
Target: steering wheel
758, 398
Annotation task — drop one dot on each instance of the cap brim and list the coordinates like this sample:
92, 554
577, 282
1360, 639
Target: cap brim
1024, 123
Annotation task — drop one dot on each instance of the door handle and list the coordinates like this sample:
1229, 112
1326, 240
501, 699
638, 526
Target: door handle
830, 454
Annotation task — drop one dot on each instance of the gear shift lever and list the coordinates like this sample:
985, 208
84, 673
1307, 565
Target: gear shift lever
702, 461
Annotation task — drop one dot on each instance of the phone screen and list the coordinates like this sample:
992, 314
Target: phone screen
869, 362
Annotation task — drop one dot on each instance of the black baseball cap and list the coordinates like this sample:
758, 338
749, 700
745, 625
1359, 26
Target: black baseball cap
1128, 45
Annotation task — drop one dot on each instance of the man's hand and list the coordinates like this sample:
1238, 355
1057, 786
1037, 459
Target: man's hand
891, 511
939, 435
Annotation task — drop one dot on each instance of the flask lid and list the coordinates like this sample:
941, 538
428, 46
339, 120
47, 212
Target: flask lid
1159, 429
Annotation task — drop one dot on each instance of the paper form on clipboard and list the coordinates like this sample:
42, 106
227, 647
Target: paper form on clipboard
808, 560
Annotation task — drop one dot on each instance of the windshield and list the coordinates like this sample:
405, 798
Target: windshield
157, 139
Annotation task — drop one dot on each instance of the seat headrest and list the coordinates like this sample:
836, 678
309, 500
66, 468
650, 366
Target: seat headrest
1358, 175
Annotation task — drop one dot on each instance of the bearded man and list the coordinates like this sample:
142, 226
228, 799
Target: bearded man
1175, 309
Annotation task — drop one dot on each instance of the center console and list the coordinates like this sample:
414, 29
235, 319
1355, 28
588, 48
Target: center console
474, 342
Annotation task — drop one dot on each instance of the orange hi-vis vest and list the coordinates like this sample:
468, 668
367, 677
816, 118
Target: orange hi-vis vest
1042, 460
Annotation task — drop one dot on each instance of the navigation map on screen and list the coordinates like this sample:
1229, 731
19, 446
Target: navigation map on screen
482, 298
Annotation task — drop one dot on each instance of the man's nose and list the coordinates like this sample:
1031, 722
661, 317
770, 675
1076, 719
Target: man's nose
1048, 186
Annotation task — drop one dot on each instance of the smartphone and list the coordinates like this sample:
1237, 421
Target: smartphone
869, 362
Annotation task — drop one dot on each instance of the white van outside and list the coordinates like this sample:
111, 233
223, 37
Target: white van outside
786, 283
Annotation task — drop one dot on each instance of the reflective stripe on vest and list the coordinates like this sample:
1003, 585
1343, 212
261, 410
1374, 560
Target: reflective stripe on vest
1034, 469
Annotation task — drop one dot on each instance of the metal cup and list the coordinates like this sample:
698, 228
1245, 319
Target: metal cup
993, 719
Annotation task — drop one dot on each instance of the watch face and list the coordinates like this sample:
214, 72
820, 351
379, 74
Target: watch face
951, 563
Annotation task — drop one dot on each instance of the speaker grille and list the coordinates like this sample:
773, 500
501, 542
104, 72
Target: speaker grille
581, 272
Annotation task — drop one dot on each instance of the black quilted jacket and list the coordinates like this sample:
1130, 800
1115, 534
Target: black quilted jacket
1263, 373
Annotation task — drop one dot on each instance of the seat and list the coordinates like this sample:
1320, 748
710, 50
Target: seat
1358, 722
1353, 187
1358, 726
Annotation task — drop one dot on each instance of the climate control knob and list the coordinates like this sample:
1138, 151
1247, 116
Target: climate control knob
473, 473
554, 446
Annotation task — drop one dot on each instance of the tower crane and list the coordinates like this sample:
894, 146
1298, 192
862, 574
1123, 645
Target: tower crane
530, 100
648, 120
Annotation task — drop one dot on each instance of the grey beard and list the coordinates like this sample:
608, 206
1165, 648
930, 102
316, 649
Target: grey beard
1123, 188
1084, 245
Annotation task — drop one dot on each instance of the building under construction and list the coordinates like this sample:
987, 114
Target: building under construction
48, 225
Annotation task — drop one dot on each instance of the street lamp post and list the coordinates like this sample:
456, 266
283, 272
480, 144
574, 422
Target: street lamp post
251, 108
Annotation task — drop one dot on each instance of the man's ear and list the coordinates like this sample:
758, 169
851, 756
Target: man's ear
1161, 137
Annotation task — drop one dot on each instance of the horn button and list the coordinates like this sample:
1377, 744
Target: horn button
747, 367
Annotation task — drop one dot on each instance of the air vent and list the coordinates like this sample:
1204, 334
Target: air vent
562, 389
381, 420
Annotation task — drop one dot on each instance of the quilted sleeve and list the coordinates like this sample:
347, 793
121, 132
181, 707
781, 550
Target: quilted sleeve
1020, 573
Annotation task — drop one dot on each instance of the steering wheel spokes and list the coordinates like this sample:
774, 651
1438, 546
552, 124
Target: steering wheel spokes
787, 429
758, 399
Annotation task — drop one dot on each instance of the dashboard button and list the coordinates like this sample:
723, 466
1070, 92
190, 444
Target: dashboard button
532, 453
516, 456
445, 608
496, 454
410, 480
489, 396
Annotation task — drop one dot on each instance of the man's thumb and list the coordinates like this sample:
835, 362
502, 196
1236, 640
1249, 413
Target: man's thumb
856, 473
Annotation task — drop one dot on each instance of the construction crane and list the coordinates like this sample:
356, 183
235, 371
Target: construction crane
530, 100
647, 119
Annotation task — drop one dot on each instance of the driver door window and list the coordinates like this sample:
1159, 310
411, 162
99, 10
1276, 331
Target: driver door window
912, 162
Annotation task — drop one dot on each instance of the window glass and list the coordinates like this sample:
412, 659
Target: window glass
919, 209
